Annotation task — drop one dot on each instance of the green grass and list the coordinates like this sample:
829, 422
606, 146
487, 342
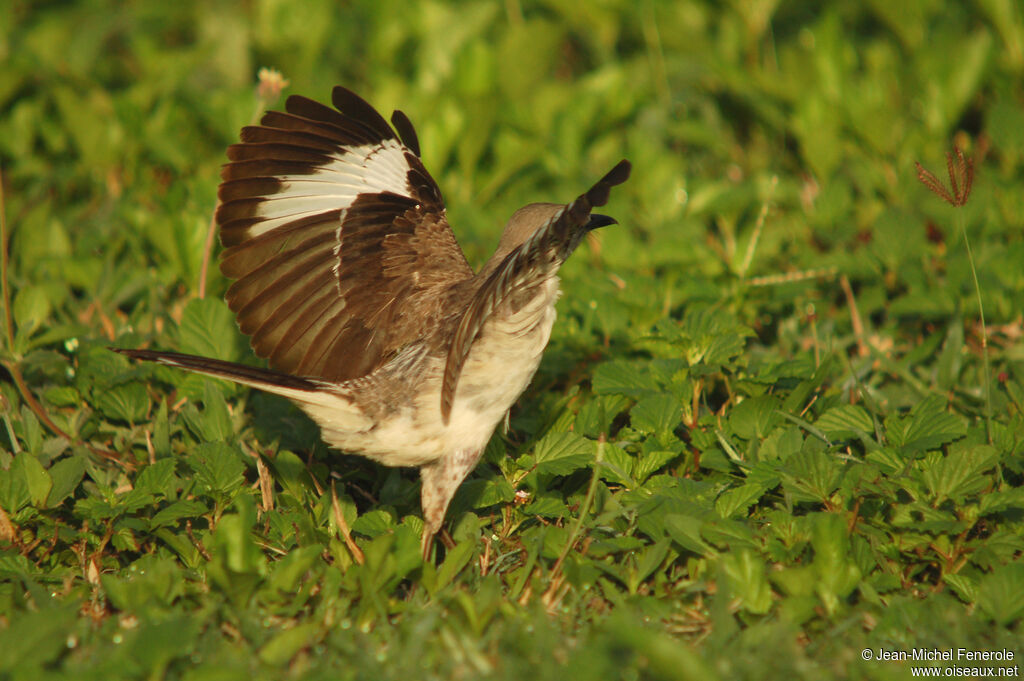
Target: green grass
761, 439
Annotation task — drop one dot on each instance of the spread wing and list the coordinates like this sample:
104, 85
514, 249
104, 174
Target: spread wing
529, 264
334, 232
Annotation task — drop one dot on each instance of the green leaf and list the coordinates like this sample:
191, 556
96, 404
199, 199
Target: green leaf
215, 418
781, 443
965, 587
62, 396
738, 500
218, 468
960, 472
676, 496
40, 637
158, 478
755, 417
928, 426
1002, 500
845, 420
156, 642
374, 523
798, 397
185, 508
708, 336
31, 308
748, 581
621, 377
597, 414
491, 491
285, 644
211, 424
37, 480
286, 573
662, 653
1001, 594
237, 564
650, 558
651, 461
732, 534
14, 494
208, 329
127, 403
33, 432
796, 582
291, 473
562, 453
957, 78
685, 531
657, 414
546, 507
811, 475
616, 465
836, 570
148, 584
99, 369
179, 543
453, 563
888, 459
162, 432
66, 475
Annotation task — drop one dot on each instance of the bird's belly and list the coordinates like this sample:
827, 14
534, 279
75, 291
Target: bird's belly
500, 365
497, 370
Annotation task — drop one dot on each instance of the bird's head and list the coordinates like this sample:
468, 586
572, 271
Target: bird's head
526, 221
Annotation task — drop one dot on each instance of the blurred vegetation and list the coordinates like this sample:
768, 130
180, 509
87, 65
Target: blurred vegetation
764, 397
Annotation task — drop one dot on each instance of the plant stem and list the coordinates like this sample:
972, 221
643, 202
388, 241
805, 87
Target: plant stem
587, 501
986, 376
8, 318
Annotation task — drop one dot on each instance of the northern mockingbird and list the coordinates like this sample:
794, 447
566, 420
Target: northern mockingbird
351, 283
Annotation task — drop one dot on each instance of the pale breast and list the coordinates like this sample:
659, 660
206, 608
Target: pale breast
408, 430
500, 365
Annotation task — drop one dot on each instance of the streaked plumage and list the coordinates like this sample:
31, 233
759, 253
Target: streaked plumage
351, 284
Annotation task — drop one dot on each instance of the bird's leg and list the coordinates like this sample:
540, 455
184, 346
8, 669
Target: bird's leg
440, 480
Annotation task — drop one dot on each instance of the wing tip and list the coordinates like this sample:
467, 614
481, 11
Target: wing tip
599, 193
350, 104
406, 131
618, 174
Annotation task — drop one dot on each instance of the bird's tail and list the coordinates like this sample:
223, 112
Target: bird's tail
327, 404
264, 379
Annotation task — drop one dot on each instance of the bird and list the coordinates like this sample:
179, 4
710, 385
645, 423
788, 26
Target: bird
349, 281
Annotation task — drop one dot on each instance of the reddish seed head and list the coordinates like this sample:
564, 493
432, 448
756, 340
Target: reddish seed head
961, 178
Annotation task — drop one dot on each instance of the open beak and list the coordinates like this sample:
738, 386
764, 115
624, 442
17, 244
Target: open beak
600, 221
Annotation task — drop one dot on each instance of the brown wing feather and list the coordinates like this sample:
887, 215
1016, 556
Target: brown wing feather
526, 266
334, 233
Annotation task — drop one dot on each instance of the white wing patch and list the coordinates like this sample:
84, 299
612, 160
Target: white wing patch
366, 169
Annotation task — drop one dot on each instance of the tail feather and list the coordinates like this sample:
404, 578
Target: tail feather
327, 404
264, 379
